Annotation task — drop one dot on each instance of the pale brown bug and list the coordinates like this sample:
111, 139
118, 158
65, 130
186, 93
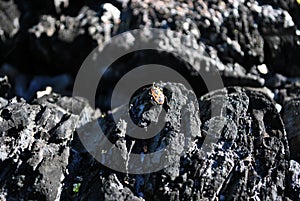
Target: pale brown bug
157, 95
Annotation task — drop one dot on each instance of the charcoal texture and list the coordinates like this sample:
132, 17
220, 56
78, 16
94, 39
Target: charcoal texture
42, 157
237, 141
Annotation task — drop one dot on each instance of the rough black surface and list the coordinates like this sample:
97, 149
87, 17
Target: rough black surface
42, 158
35, 146
289, 97
245, 32
242, 35
9, 27
253, 44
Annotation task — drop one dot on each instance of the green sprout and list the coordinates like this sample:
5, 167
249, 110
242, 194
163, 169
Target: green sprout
76, 187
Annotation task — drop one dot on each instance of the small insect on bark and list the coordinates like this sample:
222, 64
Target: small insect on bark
157, 95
